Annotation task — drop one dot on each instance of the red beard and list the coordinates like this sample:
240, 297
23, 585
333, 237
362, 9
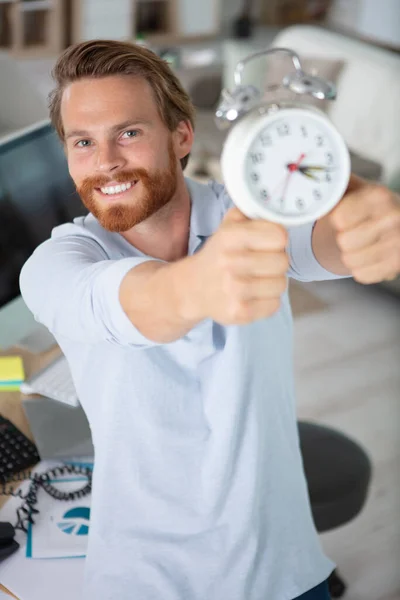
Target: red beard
148, 196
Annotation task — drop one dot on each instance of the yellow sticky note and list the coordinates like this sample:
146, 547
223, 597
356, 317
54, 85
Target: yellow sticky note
11, 370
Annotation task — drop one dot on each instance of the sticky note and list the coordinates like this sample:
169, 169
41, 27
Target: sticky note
11, 373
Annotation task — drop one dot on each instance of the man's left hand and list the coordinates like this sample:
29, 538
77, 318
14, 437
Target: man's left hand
367, 226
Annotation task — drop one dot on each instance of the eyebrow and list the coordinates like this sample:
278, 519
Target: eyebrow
114, 128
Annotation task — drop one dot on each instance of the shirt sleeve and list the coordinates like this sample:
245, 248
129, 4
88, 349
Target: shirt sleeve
303, 264
72, 287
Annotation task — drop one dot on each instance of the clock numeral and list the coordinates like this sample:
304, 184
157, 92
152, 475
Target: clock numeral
266, 139
329, 158
328, 177
255, 177
304, 131
283, 129
256, 157
317, 195
300, 203
264, 194
320, 140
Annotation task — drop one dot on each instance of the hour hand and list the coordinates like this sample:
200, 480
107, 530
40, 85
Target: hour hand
310, 171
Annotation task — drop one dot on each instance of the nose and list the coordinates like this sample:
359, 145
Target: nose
109, 158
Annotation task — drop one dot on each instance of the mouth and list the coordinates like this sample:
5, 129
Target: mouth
113, 192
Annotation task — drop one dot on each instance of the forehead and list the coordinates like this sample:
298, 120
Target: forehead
93, 102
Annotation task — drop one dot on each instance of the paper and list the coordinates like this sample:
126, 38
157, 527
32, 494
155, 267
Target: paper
11, 373
43, 579
61, 529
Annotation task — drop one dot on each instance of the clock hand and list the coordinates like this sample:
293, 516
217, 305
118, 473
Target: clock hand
316, 168
301, 168
309, 174
294, 168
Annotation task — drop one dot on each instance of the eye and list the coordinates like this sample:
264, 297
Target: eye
131, 133
83, 143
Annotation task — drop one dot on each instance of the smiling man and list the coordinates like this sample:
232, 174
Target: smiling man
172, 310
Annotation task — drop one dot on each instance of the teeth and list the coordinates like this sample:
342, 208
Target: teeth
116, 189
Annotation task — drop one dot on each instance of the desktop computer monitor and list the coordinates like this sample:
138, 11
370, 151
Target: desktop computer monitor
36, 194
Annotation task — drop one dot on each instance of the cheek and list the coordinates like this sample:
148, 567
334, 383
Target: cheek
78, 169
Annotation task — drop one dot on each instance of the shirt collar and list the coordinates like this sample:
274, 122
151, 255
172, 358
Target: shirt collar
206, 210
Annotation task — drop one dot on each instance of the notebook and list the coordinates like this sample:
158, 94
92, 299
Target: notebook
11, 373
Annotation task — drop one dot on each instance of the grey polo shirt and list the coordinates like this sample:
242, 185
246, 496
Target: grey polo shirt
198, 491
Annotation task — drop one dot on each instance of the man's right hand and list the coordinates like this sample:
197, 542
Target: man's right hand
240, 273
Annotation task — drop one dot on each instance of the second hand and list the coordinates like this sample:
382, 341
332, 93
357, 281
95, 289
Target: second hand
292, 168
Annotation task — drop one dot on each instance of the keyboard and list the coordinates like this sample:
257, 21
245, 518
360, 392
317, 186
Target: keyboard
17, 452
54, 381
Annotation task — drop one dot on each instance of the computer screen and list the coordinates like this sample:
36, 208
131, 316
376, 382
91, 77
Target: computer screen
36, 194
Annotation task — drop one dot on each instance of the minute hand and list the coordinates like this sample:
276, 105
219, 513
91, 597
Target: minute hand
311, 171
315, 168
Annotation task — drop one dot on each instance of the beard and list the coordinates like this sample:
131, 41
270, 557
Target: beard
151, 193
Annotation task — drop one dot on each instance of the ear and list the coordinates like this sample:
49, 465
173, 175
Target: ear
183, 139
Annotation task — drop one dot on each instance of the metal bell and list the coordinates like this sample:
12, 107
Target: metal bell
302, 83
236, 103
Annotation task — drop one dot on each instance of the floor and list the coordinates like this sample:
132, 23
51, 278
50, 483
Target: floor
347, 361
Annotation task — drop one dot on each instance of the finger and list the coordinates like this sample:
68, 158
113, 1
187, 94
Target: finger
355, 183
364, 202
263, 288
259, 309
256, 309
383, 251
368, 233
350, 212
260, 264
376, 273
235, 215
259, 235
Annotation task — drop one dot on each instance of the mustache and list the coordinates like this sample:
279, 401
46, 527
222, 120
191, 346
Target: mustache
99, 181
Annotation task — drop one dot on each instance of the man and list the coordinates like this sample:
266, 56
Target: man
172, 310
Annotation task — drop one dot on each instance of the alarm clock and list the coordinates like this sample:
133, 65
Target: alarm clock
283, 161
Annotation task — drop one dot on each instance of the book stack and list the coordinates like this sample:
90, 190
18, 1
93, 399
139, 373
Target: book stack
11, 373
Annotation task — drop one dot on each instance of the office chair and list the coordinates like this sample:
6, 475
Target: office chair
338, 472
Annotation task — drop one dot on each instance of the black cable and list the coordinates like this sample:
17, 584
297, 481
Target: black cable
42, 480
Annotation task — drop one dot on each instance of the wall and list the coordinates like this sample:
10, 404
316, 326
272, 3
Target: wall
375, 19
231, 9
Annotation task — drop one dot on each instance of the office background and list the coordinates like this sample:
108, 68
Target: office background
347, 336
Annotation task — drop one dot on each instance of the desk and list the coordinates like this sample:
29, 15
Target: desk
10, 402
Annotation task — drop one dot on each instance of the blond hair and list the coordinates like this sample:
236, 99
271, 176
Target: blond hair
103, 58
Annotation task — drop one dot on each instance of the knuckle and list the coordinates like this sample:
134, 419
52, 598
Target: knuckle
283, 237
361, 277
233, 287
382, 196
348, 260
342, 240
224, 262
227, 237
284, 262
338, 217
358, 277
275, 231
240, 312
281, 285
274, 305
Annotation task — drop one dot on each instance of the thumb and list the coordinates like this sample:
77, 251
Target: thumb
235, 215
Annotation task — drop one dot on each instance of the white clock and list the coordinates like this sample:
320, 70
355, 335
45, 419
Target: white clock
282, 161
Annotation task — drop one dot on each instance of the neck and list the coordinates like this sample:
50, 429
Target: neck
165, 235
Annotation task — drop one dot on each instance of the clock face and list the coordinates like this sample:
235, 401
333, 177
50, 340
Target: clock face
294, 165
